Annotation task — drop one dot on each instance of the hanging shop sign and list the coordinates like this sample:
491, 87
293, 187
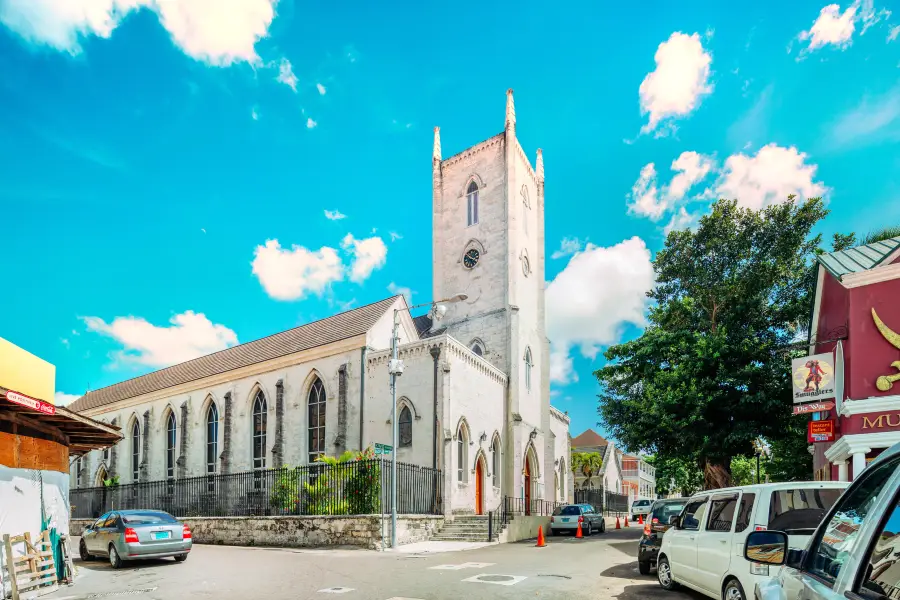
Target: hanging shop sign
33, 403
820, 431
813, 407
813, 378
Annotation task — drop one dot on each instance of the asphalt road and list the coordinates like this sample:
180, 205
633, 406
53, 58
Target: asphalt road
602, 566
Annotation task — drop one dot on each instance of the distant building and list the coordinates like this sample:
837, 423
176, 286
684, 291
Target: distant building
640, 477
611, 476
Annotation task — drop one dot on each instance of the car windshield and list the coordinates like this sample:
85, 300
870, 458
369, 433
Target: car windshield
148, 518
799, 511
642, 503
567, 511
664, 512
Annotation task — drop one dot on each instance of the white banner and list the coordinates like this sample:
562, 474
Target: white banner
813, 378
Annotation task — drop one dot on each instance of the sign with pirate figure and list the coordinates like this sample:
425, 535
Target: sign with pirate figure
813, 378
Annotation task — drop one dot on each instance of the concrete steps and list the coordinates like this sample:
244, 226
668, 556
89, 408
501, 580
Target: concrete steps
468, 528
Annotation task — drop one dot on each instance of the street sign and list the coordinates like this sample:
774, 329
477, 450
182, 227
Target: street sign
820, 431
32, 403
813, 407
383, 449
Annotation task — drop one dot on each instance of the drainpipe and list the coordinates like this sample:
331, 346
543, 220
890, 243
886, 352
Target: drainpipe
362, 395
435, 354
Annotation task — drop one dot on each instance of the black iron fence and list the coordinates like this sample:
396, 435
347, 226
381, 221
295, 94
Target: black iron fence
520, 507
603, 501
352, 488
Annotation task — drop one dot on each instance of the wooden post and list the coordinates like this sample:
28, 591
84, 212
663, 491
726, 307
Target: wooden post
11, 567
30, 552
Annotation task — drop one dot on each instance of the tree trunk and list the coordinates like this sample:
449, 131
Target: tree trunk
716, 474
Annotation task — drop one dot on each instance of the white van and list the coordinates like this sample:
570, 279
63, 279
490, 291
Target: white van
704, 548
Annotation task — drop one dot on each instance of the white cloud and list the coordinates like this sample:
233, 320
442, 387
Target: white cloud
368, 255
893, 33
321, 88
63, 399
401, 290
334, 215
680, 80
65, 342
874, 119
395, 236
768, 177
648, 200
190, 335
286, 74
310, 124
254, 114
567, 247
217, 32
682, 219
834, 27
291, 274
593, 298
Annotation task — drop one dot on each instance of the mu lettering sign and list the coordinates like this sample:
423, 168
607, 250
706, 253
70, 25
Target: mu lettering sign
891, 420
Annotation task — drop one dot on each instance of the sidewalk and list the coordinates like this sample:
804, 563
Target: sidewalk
437, 547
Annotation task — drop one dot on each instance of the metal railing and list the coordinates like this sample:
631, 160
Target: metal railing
352, 488
603, 501
519, 507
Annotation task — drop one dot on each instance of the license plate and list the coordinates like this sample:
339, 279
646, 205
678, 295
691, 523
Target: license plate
565, 520
161, 535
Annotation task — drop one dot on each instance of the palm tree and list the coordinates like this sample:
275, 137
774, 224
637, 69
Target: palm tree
881, 235
587, 464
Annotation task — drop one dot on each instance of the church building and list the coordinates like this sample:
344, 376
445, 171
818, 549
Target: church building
474, 397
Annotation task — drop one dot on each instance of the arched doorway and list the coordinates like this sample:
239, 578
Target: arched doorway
527, 485
479, 486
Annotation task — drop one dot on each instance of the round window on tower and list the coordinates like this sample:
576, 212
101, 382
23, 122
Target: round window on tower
471, 258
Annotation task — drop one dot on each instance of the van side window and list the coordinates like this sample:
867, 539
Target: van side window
834, 543
721, 513
882, 576
693, 514
745, 512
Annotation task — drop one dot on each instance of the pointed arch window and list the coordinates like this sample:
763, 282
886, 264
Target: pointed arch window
462, 443
405, 425
212, 437
477, 347
528, 365
316, 411
79, 469
135, 451
260, 414
472, 203
171, 432
102, 476
495, 460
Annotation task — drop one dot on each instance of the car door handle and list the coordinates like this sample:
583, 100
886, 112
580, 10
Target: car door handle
723, 541
690, 537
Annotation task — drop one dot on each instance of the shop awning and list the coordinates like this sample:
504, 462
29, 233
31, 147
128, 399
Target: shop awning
81, 434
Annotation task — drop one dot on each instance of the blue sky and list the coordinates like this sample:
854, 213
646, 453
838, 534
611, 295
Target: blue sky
151, 150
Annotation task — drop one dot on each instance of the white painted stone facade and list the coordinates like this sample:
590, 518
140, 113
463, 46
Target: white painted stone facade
498, 401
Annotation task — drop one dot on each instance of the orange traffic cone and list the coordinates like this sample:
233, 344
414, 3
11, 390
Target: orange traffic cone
618, 524
578, 533
626, 521
640, 519
541, 543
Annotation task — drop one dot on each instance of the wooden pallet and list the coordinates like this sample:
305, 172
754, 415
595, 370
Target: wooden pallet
34, 568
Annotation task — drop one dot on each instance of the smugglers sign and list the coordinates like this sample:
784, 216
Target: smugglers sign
813, 378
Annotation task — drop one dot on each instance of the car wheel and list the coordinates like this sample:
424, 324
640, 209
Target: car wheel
733, 591
603, 526
590, 530
664, 574
181, 558
83, 552
114, 560
644, 567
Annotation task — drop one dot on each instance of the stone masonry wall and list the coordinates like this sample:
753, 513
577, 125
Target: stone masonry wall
302, 532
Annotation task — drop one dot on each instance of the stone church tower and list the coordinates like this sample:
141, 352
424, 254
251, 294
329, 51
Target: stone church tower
488, 243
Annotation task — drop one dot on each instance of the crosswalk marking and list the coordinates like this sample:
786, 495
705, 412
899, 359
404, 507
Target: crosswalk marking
470, 565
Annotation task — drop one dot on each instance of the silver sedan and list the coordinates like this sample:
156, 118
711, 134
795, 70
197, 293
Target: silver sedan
567, 518
135, 535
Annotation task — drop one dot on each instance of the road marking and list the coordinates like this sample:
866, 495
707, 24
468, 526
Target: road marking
496, 579
471, 565
399, 598
336, 590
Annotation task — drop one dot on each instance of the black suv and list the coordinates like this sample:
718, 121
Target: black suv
655, 525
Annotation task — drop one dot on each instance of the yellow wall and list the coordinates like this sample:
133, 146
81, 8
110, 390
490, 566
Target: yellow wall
25, 373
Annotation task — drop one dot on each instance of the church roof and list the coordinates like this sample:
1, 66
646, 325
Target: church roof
589, 439
423, 325
318, 333
859, 259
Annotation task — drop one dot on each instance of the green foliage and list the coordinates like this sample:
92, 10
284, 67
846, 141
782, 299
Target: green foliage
881, 235
111, 482
349, 484
791, 461
743, 470
587, 464
676, 475
710, 373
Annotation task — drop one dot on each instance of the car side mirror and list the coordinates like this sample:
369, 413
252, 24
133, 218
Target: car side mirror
673, 521
766, 547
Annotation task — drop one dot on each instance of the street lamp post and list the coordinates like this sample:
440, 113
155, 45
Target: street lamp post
760, 449
395, 369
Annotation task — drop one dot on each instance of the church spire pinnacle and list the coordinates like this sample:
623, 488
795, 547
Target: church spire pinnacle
539, 166
510, 111
436, 153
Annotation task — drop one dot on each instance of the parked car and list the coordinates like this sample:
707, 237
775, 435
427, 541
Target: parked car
704, 550
640, 507
855, 552
135, 535
655, 525
567, 518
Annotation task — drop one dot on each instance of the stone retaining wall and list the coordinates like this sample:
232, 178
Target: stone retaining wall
303, 532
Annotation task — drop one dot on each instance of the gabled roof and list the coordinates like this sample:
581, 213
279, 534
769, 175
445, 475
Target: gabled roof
423, 327
589, 439
312, 335
859, 259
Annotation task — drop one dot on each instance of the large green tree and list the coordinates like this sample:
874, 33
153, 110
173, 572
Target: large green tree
711, 372
676, 475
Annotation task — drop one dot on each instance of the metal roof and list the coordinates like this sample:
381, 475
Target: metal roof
312, 335
859, 259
